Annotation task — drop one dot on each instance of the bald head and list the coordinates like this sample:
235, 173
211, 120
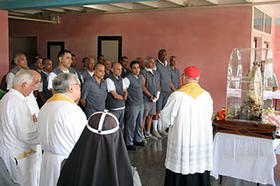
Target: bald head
116, 69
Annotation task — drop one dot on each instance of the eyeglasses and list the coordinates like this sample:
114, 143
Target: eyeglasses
75, 84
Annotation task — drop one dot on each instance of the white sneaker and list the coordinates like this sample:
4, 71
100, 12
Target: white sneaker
156, 134
149, 135
163, 133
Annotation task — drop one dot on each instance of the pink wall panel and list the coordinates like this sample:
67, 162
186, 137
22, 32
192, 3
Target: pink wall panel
276, 54
4, 43
203, 37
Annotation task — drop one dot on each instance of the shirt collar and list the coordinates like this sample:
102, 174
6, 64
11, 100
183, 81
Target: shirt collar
164, 64
149, 70
18, 93
45, 72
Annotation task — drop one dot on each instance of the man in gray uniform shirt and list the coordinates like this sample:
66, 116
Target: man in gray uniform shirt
134, 108
94, 91
175, 76
64, 66
151, 90
88, 71
166, 85
117, 93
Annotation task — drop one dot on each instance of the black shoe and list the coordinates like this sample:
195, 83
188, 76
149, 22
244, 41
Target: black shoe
142, 144
130, 147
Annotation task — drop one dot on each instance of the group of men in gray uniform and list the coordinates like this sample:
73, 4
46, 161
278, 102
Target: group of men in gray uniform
134, 93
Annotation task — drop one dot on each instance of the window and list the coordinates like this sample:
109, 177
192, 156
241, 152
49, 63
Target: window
262, 21
267, 24
258, 19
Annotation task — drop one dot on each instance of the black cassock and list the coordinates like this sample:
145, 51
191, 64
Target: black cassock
176, 179
99, 158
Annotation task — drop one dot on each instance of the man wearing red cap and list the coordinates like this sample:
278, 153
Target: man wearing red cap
188, 113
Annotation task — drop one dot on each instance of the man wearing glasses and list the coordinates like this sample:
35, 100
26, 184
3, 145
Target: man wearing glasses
61, 123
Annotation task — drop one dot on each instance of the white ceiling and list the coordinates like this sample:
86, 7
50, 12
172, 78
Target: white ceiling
272, 6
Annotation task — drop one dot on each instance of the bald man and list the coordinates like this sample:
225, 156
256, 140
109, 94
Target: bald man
117, 93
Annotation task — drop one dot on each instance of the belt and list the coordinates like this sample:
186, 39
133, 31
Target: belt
25, 154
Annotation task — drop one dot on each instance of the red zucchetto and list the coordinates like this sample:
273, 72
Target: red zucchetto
192, 72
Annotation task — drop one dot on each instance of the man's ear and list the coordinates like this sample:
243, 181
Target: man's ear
59, 59
23, 85
70, 89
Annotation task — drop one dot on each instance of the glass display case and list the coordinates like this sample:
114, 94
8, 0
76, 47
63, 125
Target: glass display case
249, 84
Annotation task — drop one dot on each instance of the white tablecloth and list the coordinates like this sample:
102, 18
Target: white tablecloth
243, 157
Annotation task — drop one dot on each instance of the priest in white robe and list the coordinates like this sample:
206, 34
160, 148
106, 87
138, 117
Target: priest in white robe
188, 113
18, 132
61, 122
34, 109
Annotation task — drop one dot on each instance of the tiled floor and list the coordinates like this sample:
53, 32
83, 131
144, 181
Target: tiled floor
149, 161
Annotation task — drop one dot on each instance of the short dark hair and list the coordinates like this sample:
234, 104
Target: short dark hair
45, 60
133, 63
38, 57
63, 52
101, 55
172, 57
123, 57
161, 51
85, 59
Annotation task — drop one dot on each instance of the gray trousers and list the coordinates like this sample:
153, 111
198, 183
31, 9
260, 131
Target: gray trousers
134, 117
120, 116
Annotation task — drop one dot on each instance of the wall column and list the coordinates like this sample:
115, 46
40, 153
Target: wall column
4, 43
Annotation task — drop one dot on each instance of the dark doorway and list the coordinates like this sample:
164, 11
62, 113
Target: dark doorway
54, 47
110, 47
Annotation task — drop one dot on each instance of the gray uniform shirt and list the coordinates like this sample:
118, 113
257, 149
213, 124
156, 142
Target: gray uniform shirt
95, 95
152, 82
165, 76
135, 90
175, 77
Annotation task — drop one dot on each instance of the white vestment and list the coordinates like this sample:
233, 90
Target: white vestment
190, 138
37, 158
61, 123
17, 134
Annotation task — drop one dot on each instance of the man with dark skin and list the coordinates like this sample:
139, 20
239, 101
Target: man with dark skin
166, 85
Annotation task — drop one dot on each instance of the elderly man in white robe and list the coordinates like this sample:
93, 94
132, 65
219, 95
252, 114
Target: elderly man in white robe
188, 112
34, 109
18, 132
61, 122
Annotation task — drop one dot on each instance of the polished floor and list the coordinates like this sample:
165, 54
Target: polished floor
149, 161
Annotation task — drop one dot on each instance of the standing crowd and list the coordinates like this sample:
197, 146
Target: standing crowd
51, 110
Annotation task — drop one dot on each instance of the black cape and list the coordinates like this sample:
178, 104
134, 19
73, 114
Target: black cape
98, 160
